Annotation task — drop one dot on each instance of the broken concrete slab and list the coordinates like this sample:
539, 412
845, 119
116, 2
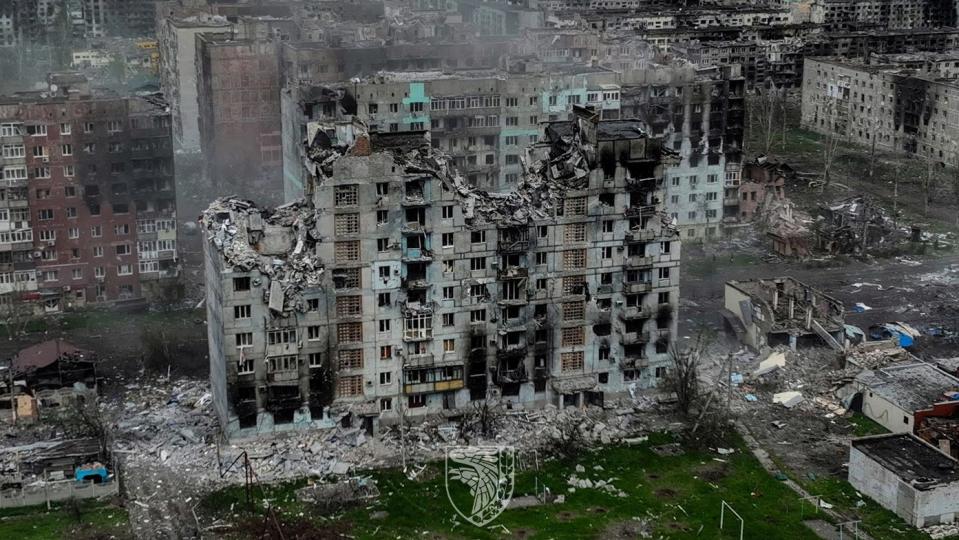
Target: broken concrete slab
774, 361
788, 399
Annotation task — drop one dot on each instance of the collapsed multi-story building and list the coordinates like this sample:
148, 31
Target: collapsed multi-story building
395, 288
89, 213
484, 119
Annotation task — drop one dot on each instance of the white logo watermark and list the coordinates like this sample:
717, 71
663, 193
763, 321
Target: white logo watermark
488, 473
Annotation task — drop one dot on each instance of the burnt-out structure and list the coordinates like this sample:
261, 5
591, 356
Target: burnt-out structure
782, 311
398, 289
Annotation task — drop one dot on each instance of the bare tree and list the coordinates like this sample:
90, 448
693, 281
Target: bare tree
834, 134
764, 105
682, 378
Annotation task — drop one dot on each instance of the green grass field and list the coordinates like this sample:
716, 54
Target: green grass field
678, 496
96, 520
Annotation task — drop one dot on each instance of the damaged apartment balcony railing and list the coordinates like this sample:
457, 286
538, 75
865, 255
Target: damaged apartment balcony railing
511, 352
639, 211
635, 312
418, 360
417, 254
640, 235
635, 361
637, 287
641, 184
507, 376
634, 338
285, 377
415, 283
637, 260
512, 272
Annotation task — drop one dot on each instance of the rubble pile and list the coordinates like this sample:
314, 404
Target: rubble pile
853, 225
237, 228
172, 425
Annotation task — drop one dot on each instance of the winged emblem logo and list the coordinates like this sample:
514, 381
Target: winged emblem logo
487, 472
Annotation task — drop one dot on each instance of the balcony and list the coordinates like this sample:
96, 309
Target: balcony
634, 338
415, 284
283, 378
418, 361
414, 227
641, 184
635, 312
639, 211
512, 272
641, 235
512, 246
417, 255
637, 287
511, 352
635, 362
637, 261
433, 387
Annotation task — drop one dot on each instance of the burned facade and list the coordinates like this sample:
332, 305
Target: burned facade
484, 119
782, 311
901, 103
397, 288
89, 180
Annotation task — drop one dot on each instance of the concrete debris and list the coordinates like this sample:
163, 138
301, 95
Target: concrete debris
279, 244
602, 485
788, 399
854, 225
942, 531
775, 361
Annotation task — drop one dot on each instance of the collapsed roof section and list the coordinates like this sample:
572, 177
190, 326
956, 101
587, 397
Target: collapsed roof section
563, 162
279, 244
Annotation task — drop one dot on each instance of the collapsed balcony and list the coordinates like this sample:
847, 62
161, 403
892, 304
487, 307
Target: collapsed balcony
513, 240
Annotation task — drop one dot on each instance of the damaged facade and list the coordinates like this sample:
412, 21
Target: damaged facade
88, 177
782, 311
485, 118
398, 289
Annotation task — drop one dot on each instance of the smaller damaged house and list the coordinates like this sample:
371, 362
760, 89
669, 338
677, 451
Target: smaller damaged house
51, 372
907, 476
852, 226
892, 395
782, 311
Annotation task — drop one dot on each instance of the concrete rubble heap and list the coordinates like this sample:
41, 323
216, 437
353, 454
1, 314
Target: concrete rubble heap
171, 426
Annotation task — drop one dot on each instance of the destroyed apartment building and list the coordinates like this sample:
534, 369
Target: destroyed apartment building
782, 311
47, 375
397, 289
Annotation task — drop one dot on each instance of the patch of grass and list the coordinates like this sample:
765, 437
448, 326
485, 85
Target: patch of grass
679, 495
36, 522
876, 520
864, 426
706, 266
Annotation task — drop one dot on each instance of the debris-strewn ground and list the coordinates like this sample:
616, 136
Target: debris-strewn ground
170, 450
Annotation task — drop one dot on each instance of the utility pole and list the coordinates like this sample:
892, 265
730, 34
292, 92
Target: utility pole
895, 197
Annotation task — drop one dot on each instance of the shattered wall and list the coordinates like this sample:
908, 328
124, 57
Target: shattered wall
417, 292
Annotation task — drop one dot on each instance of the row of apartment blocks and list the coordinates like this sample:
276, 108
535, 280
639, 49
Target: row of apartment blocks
904, 103
25, 22
484, 120
87, 204
422, 294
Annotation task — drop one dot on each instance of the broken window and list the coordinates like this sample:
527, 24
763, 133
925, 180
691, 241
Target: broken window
478, 291
346, 224
281, 337
241, 284
347, 251
574, 285
574, 232
574, 259
573, 337
513, 290
351, 385
571, 361
346, 278
418, 327
313, 304
349, 359
350, 332
313, 332
478, 315
282, 363
345, 195
383, 299
241, 312
573, 311
478, 263
349, 305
